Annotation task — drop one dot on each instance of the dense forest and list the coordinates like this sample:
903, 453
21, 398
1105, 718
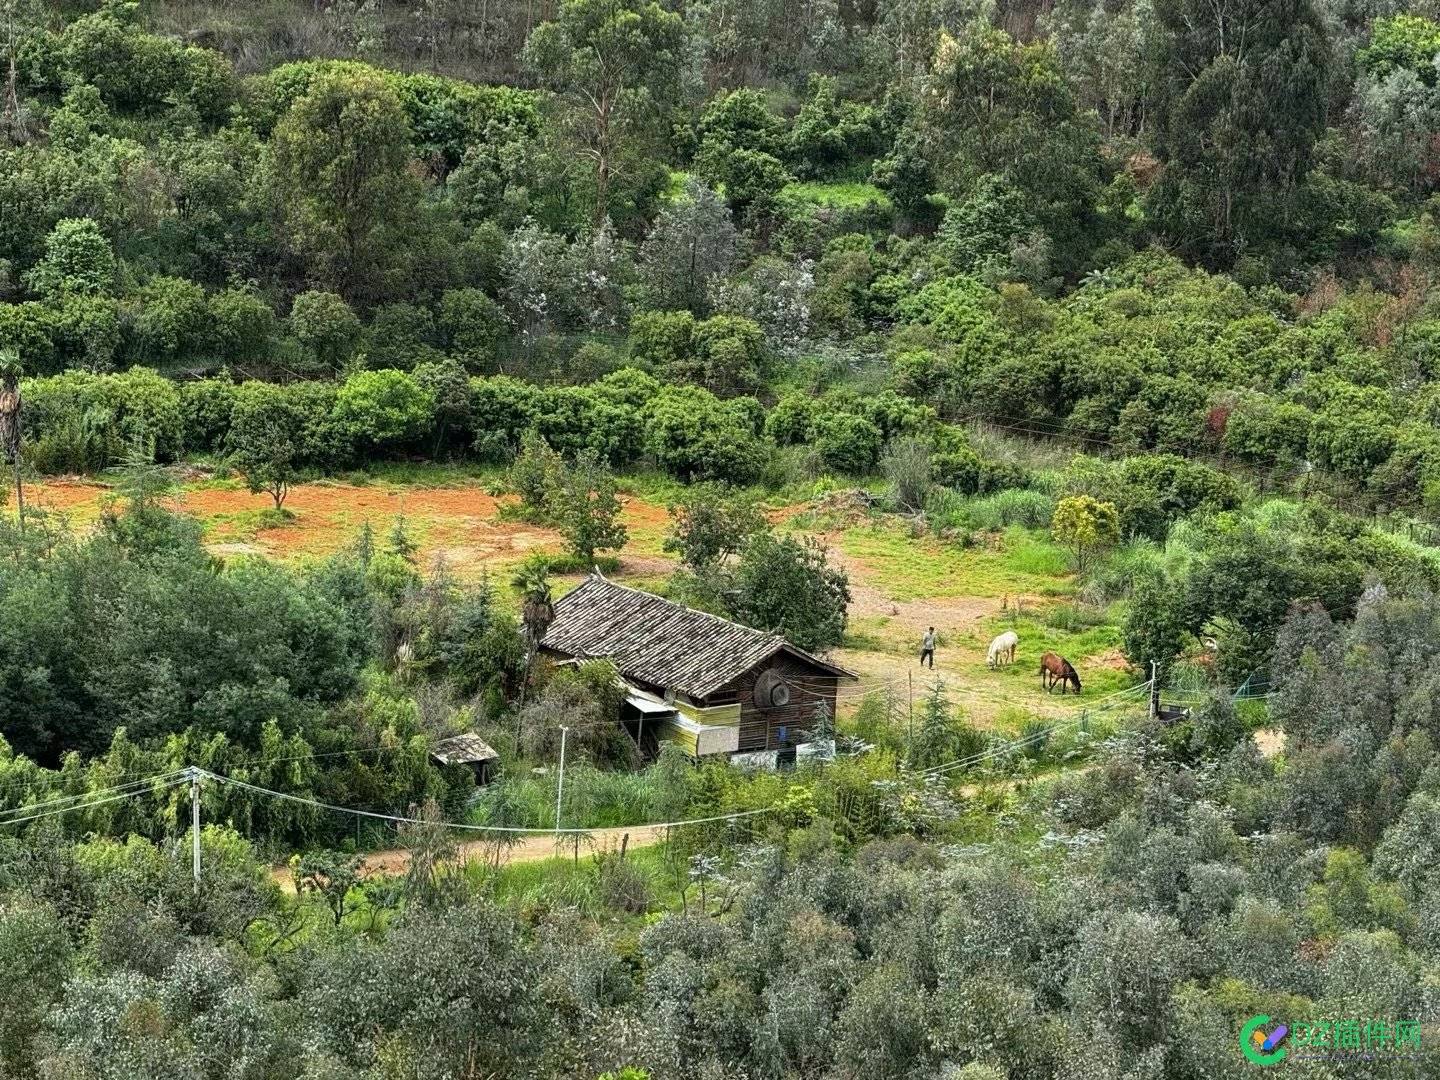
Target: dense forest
1130, 305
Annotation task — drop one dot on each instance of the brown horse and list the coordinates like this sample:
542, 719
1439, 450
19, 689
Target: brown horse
1056, 669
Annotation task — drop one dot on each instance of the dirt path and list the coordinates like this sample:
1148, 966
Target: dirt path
533, 848
541, 847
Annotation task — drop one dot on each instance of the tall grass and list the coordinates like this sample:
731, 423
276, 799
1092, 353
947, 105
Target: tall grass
593, 798
947, 509
1115, 577
1013, 506
1027, 554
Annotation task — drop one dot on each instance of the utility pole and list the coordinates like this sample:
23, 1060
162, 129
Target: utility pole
195, 823
1154, 690
910, 737
560, 787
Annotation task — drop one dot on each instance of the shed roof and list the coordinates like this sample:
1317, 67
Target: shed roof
466, 749
664, 644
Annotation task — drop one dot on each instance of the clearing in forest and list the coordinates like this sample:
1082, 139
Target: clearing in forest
901, 582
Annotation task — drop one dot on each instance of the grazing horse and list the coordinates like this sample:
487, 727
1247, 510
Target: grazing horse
1002, 649
1056, 669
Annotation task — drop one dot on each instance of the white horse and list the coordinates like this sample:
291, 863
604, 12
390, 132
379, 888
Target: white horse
1002, 649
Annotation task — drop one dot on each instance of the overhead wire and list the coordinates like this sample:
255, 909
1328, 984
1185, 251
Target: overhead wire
86, 805
527, 830
134, 787
989, 753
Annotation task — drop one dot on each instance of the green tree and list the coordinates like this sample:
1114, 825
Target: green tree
1240, 105
341, 167
586, 509
473, 325
332, 876
78, 261
692, 243
787, 585
1153, 629
537, 609
264, 440
611, 65
1402, 43
1085, 525
996, 107
695, 436
710, 524
326, 325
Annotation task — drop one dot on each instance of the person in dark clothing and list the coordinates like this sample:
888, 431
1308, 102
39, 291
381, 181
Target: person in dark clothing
927, 648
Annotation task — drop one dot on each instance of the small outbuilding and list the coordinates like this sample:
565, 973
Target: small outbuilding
705, 683
469, 750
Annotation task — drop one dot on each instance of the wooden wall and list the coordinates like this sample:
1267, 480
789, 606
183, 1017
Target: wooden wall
760, 728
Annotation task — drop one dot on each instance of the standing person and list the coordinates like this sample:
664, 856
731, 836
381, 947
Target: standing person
927, 648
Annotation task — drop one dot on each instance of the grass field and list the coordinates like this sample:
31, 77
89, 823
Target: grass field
902, 581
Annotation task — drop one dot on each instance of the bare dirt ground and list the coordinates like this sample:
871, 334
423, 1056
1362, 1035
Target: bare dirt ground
1271, 741
533, 848
462, 523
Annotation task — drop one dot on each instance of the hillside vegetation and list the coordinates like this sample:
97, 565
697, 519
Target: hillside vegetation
339, 338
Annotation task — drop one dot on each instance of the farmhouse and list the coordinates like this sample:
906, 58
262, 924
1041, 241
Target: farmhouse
703, 682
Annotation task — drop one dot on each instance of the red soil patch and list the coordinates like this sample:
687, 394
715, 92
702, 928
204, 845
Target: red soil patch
64, 494
462, 524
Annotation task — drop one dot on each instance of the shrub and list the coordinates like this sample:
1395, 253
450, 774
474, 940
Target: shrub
847, 443
325, 324
662, 340
205, 406
502, 410
384, 409
472, 325
694, 436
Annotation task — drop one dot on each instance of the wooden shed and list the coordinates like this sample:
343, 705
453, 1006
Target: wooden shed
467, 749
706, 683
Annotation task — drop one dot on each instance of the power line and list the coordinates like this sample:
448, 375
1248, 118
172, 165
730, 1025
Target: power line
89, 805
134, 786
402, 819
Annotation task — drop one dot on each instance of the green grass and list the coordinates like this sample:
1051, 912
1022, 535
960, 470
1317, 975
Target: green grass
568, 880
906, 567
839, 196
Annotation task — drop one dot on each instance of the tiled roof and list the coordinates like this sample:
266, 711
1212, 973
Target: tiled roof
661, 643
462, 750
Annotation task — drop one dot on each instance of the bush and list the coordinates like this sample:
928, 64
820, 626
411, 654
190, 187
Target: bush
502, 410
205, 405
78, 422
695, 436
848, 443
472, 325
384, 409
325, 324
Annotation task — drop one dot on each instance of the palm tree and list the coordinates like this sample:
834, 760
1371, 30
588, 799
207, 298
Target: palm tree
537, 609
10, 424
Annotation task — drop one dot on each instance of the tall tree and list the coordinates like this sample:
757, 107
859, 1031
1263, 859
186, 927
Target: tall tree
1002, 108
537, 609
1241, 89
341, 165
10, 425
611, 64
